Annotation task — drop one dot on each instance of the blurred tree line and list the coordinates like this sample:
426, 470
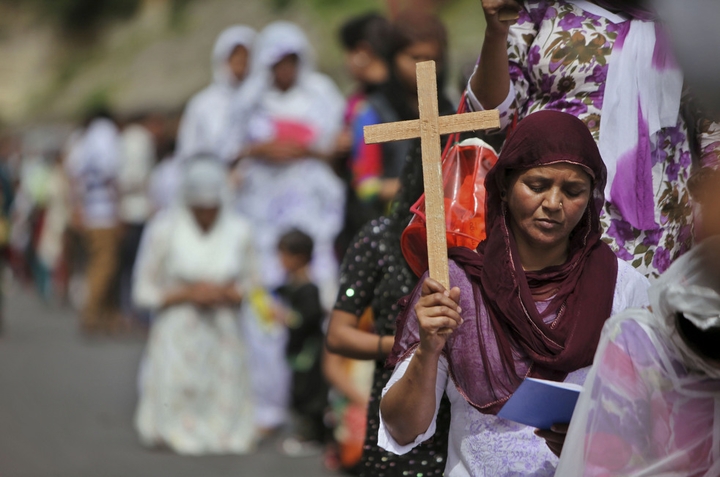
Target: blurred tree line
82, 16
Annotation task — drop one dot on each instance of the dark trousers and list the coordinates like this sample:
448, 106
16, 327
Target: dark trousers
309, 402
132, 235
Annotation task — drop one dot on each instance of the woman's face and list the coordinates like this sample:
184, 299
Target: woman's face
546, 203
205, 216
238, 62
285, 72
365, 66
406, 59
291, 262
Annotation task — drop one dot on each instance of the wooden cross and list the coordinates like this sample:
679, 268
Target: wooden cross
429, 128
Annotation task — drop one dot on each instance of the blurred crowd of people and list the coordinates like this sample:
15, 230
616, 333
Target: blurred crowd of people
256, 237
219, 232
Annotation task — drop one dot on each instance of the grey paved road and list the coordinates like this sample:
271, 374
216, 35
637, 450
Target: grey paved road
66, 406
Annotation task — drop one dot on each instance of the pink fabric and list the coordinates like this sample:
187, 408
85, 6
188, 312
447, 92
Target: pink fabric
632, 188
294, 132
653, 88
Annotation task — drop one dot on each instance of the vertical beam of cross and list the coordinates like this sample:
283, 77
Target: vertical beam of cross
432, 172
429, 128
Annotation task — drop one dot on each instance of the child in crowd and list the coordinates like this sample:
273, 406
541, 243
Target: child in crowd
303, 315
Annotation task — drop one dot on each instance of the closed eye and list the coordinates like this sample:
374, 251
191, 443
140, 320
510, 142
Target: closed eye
575, 193
538, 186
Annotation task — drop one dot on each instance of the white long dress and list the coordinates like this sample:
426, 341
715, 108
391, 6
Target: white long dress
301, 193
196, 394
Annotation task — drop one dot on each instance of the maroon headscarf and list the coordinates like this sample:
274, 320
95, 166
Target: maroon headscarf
490, 355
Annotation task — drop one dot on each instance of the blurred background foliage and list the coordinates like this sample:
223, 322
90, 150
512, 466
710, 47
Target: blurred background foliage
74, 15
61, 55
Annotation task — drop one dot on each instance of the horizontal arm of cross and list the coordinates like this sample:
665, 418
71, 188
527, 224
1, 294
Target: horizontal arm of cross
446, 124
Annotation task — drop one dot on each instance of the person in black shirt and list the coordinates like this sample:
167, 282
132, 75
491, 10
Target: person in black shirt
303, 317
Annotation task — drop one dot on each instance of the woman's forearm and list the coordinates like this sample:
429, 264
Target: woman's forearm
175, 297
408, 407
389, 188
491, 81
337, 376
344, 338
233, 294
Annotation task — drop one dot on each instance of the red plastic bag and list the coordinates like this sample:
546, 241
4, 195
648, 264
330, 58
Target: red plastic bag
464, 167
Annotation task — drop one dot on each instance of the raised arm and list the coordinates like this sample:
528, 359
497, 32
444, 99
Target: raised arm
491, 81
408, 407
502, 78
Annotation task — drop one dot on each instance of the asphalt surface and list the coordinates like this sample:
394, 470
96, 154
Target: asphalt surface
67, 401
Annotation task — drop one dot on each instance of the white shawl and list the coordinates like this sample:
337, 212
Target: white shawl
205, 125
314, 99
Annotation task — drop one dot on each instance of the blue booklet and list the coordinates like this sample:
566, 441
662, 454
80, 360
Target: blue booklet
540, 403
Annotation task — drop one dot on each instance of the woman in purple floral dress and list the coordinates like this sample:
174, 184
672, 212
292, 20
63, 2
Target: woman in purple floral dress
609, 64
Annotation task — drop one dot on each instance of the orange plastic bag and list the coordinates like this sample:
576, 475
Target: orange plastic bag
464, 167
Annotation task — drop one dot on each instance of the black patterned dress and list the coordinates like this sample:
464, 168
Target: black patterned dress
375, 274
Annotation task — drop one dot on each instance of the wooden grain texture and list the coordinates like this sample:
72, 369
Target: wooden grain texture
387, 132
429, 128
401, 130
464, 122
432, 171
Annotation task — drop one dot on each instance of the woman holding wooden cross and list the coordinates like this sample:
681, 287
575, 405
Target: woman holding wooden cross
531, 301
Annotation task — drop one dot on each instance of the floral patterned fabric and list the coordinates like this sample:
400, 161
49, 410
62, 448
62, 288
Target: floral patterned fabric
651, 403
644, 411
559, 53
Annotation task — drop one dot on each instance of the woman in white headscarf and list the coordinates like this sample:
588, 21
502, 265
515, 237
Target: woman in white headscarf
287, 119
651, 402
206, 123
194, 268
293, 116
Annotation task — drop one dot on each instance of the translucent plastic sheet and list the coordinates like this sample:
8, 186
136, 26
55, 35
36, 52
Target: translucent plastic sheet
464, 168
